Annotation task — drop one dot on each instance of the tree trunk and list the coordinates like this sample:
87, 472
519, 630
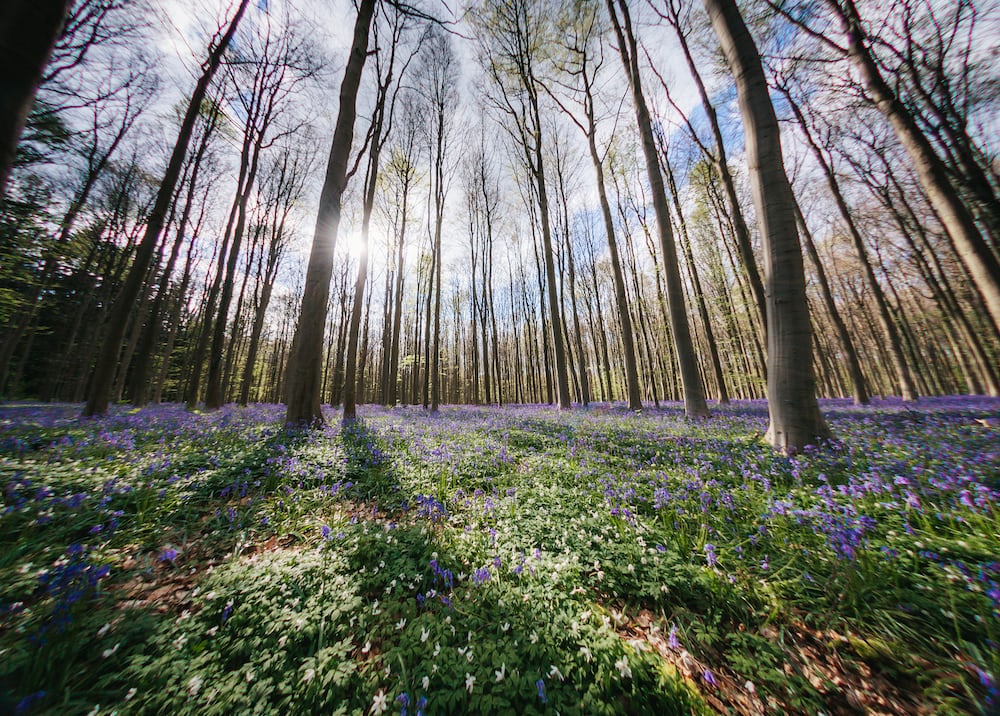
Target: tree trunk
100, 389
721, 164
956, 217
843, 335
305, 366
905, 379
28, 32
699, 294
694, 394
791, 383
634, 395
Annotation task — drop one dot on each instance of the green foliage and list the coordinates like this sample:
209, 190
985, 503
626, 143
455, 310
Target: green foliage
159, 561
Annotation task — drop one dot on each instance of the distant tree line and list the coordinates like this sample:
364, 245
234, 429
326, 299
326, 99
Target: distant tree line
542, 202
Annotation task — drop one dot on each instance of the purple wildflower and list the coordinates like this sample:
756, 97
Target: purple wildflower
710, 556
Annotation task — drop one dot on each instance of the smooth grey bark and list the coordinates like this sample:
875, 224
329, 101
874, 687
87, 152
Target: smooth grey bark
586, 78
721, 164
791, 382
694, 393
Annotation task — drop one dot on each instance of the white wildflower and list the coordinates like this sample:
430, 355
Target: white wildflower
379, 704
623, 668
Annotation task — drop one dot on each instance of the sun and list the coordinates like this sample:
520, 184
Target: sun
353, 244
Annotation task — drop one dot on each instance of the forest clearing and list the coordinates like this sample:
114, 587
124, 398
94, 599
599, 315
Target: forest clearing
516, 560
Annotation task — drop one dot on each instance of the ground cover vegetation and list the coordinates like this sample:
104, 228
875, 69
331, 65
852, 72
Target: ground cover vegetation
479, 560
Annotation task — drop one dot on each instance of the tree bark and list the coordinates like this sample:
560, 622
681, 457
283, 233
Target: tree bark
843, 335
28, 33
694, 394
958, 220
791, 383
107, 361
305, 366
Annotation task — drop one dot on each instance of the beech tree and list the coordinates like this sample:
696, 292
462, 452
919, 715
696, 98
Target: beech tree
694, 394
107, 362
791, 383
584, 60
305, 365
509, 37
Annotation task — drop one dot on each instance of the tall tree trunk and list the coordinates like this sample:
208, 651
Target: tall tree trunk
958, 220
694, 394
791, 383
397, 308
28, 33
305, 366
559, 347
634, 395
140, 386
843, 335
721, 164
903, 376
100, 389
214, 390
699, 294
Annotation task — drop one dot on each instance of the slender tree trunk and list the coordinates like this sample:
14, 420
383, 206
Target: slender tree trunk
721, 164
214, 389
903, 375
699, 294
958, 220
140, 386
634, 396
398, 306
843, 335
305, 366
694, 394
100, 389
559, 348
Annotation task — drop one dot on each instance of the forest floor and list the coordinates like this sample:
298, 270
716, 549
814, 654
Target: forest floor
514, 560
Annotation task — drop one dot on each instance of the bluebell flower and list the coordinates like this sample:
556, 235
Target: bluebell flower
710, 555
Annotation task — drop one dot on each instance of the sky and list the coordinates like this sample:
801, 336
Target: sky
181, 36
